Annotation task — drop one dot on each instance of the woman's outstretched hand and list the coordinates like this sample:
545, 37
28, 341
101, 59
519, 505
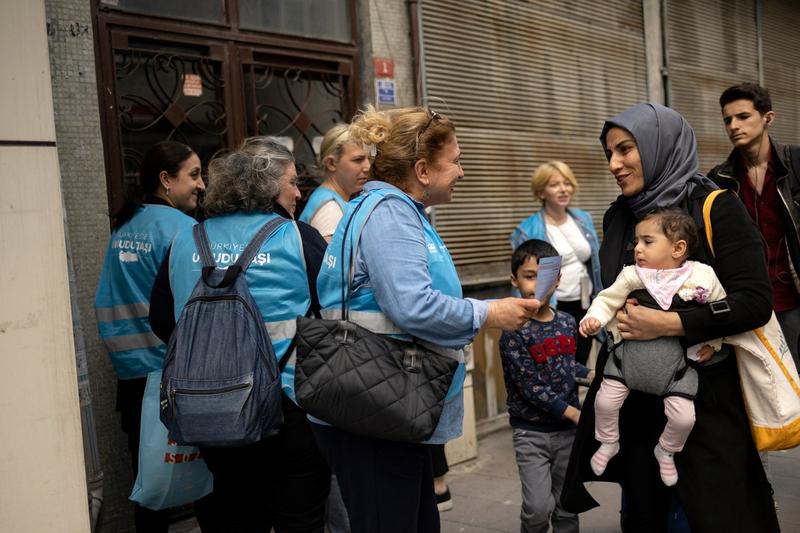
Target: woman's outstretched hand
511, 313
640, 323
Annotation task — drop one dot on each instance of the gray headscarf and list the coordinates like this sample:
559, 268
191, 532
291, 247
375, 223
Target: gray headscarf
668, 151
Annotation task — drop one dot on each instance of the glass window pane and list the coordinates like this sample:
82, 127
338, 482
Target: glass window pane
201, 10
318, 19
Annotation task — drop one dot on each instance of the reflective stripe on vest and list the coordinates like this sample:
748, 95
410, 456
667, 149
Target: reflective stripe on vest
281, 329
136, 341
122, 312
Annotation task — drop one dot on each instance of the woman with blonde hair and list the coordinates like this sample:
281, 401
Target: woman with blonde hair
571, 231
345, 165
404, 284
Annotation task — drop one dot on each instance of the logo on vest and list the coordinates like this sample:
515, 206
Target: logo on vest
128, 257
225, 258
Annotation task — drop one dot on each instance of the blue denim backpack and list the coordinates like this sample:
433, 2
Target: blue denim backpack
221, 382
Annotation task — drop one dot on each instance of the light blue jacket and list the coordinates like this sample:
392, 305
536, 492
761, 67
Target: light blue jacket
404, 284
534, 227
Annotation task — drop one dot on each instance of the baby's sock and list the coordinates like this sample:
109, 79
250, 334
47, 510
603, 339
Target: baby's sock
666, 466
602, 456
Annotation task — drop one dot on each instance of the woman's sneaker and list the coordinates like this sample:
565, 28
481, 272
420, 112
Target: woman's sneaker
443, 501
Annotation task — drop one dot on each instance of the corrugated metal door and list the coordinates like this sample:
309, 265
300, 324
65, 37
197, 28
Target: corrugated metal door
526, 82
711, 46
781, 45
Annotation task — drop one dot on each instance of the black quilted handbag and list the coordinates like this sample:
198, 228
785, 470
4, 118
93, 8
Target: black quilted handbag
366, 383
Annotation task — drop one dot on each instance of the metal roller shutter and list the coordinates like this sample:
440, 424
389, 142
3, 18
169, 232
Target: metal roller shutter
711, 46
781, 45
525, 82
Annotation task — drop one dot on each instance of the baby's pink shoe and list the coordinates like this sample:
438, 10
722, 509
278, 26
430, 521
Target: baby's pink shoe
666, 466
602, 456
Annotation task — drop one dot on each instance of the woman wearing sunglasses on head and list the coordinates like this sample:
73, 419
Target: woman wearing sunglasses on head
404, 285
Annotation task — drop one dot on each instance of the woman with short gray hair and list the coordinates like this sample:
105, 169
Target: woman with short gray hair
280, 481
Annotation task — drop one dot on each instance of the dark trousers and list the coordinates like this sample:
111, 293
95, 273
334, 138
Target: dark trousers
387, 486
722, 484
280, 482
439, 460
584, 343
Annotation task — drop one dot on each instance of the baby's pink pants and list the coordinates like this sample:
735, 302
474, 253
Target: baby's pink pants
609, 400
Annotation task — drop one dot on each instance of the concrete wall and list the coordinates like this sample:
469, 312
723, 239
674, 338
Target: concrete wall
384, 31
83, 182
43, 485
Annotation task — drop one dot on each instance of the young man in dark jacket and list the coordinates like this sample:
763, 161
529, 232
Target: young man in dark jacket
765, 175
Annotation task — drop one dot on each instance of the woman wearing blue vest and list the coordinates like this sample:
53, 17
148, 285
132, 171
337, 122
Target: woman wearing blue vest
346, 167
571, 231
169, 186
282, 481
404, 284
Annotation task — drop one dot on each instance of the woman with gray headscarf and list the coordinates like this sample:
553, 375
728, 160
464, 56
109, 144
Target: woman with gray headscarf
722, 486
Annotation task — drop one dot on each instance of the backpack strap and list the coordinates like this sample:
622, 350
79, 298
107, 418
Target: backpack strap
709, 201
244, 260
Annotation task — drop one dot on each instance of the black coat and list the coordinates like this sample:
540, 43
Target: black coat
722, 485
786, 162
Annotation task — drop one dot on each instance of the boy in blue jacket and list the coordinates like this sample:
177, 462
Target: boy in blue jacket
540, 370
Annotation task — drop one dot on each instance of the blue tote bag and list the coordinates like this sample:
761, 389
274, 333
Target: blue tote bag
169, 475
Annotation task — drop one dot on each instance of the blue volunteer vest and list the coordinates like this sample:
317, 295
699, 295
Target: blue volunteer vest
277, 276
365, 311
318, 198
122, 303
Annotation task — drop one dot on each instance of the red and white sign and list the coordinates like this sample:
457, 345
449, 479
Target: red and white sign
192, 85
384, 67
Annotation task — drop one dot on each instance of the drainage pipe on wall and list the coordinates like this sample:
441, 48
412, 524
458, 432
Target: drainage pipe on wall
94, 471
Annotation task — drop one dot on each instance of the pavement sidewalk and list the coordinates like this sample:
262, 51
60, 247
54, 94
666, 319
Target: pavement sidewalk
486, 492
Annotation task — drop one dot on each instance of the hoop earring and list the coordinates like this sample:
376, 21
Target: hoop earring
167, 191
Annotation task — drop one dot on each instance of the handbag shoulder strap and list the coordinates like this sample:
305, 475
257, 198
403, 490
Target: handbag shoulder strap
709, 201
351, 267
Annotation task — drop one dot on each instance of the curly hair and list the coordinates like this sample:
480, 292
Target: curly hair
248, 179
401, 137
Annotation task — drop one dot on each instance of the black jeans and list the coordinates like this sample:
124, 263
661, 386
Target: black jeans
280, 482
439, 460
387, 486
